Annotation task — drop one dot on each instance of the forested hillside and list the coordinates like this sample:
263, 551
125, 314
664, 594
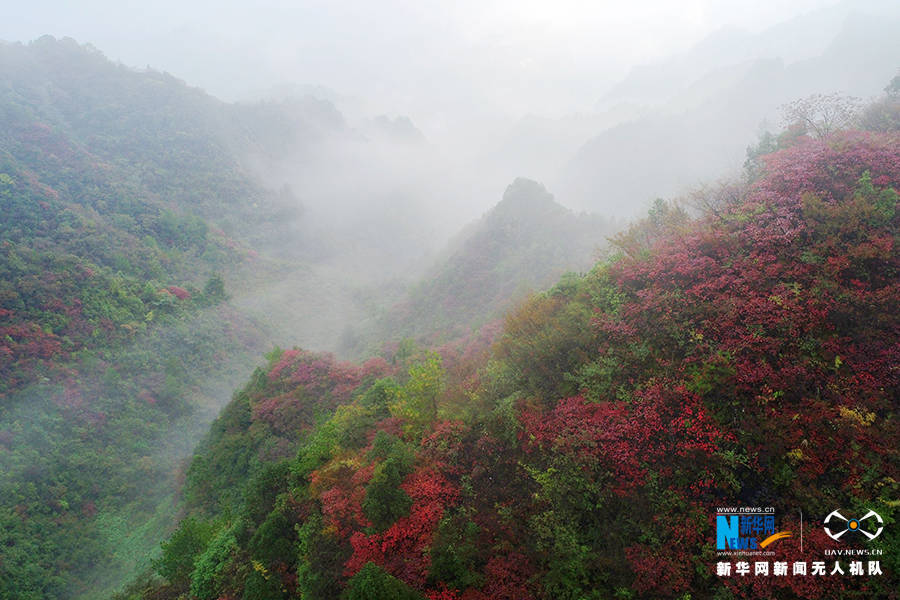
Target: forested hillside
145, 267
117, 189
746, 357
521, 245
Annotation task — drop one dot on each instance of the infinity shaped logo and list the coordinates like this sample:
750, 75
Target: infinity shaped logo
853, 525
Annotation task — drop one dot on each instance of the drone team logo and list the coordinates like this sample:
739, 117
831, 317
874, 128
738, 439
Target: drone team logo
836, 525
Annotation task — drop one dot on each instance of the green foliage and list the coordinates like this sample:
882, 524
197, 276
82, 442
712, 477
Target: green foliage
713, 374
417, 399
273, 540
455, 556
210, 567
228, 457
181, 551
124, 211
116, 192
318, 448
549, 335
352, 425
321, 560
385, 501
568, 573
263, 489
570, 530
214, 290
385, 446
374, 583
525, 243
663, 218
261, 584
580, 459
180, 231
380, 395
883, 201
893, 88
97, 458
753, 165
705, 361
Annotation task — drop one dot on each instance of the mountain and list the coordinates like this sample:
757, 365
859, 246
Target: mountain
700, 115
801, 38
150, 252
524, 243
130, 214
746, 357
155, 241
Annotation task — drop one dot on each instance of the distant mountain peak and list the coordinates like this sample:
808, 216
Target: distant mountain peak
526, 198
399, 129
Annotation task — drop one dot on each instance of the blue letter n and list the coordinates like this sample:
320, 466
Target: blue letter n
726, 530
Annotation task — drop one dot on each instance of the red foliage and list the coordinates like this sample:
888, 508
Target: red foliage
831, 167
179, 292
443, 594
508, 577
663, 429
402, 548
28, 340
304, 383
659, 574
342, 504
767, 331
286, 359
391, 426
148, 397
790, 296
444, 446
24, 349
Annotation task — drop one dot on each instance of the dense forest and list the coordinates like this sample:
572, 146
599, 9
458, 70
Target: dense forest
746, 355
293, 346
116, 345
139, 258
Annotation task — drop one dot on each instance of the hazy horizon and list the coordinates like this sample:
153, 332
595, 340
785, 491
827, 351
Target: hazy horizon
439, 64
498, 90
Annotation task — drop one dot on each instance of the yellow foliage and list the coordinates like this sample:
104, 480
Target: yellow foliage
340, 467
795, 454
417, 400
260, 568
857, 415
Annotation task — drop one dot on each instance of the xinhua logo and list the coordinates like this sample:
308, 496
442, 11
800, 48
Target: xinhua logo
746, 531
836, 525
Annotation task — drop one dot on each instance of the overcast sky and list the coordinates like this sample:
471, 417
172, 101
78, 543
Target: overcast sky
417, 57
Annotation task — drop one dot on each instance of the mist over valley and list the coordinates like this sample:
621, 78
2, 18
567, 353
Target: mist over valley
469, 301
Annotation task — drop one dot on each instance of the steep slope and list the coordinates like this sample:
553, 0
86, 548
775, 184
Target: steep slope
127, 220
148, 134
747, 358
522, 244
